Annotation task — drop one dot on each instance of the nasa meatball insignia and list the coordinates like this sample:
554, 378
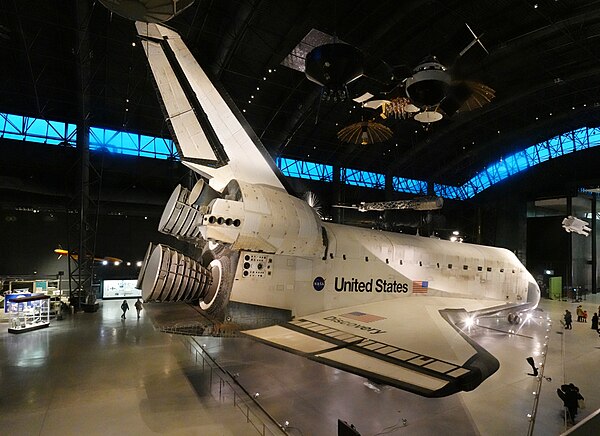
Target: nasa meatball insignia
318, 283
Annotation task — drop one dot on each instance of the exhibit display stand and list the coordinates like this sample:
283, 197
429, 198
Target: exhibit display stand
28, 313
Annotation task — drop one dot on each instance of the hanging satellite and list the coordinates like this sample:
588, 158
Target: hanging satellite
428, 85
431, 92
333, 66
149, 11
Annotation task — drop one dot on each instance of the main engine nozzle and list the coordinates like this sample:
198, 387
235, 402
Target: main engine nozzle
184, 211
168, 275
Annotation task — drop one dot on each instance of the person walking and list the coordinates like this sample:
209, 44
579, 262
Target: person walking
568, 320
595, 322
138, 307
571, 397
124, 308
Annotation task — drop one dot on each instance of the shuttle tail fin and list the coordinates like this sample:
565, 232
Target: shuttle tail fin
211, 135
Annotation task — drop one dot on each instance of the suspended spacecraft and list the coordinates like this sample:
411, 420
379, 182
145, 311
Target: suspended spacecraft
575, 225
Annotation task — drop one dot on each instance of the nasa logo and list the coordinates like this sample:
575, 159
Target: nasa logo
319, 283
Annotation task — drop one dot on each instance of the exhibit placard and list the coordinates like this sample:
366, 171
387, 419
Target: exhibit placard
120, 289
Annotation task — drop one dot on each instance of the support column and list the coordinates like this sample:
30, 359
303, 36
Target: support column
569, 269
337, 212
82, 237
594, 246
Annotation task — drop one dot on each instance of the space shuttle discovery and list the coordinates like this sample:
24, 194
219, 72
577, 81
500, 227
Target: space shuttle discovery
386, 306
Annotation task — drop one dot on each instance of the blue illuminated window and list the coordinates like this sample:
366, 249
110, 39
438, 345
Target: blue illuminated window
133, 144
412, 186
363, 178
305, 170
451, 192
554, 147
37, 130
32, 129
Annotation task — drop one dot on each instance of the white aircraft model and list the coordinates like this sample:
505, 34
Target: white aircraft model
386, 306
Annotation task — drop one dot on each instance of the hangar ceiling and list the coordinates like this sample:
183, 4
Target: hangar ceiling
543, 63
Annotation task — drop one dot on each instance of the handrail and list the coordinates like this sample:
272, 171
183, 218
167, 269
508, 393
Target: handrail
272, 426
540, 379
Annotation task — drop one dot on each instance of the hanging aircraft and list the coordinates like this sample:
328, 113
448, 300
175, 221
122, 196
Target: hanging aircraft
389, 307
430, 91
108, 259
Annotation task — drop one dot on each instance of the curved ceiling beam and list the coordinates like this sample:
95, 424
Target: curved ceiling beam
503, 51
548, 125
489, 109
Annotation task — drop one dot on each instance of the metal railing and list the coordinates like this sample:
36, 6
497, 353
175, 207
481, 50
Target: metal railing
254, 413
540, 378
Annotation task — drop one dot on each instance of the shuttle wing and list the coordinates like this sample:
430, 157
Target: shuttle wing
414, 343
211, 135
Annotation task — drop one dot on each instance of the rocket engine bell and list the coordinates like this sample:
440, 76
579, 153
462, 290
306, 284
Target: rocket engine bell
243, 217
169, 275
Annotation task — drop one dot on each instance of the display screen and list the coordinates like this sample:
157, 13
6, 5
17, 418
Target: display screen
9, 297
120, 289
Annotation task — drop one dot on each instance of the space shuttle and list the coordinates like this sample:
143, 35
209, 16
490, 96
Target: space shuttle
391, 307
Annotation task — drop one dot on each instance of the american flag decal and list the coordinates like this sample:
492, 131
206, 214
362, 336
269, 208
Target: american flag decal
362, 317
420, 287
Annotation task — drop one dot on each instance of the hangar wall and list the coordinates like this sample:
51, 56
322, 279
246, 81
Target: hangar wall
28, 240
41, 178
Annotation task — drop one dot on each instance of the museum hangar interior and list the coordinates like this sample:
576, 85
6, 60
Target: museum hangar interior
510, 144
